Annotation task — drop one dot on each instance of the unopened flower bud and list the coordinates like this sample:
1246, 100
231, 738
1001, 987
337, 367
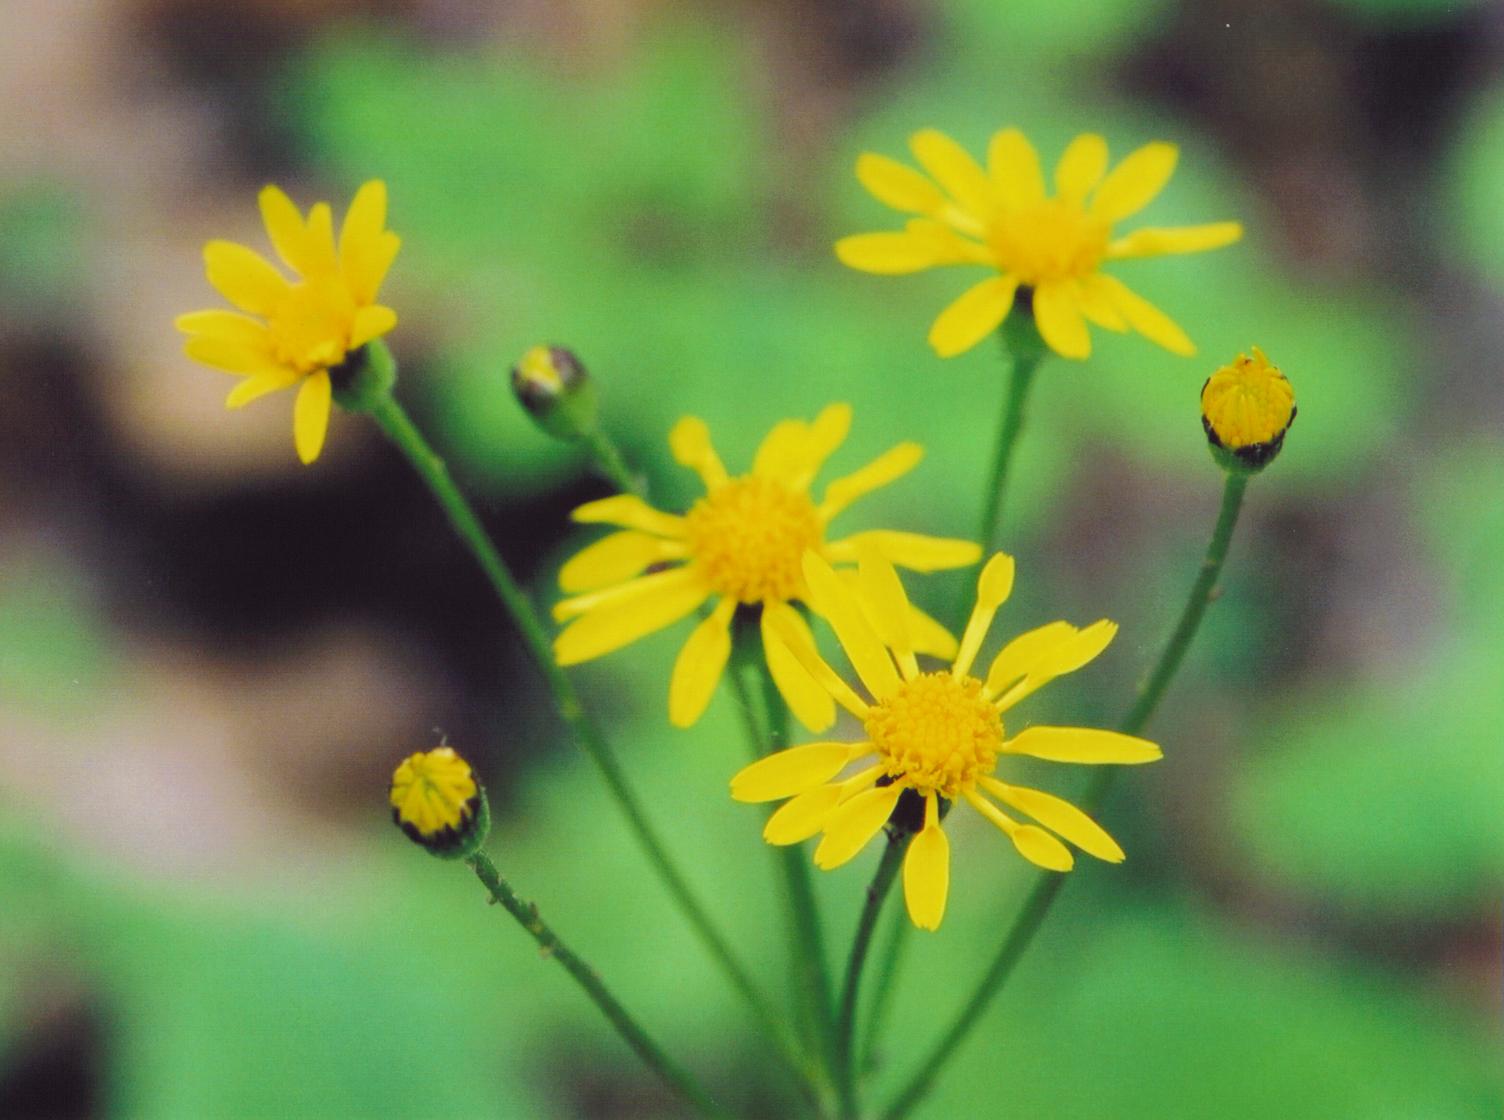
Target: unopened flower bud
1246, 409
553, 386
439, 804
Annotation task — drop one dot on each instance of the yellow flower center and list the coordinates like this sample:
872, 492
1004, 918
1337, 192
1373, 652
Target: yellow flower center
937, 733
1247, 402
433, 791
1052, 240
749, 536
310, 330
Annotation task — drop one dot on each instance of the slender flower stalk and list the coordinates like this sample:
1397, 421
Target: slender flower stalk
877, 893
372, 394
883, 986
677, 1079
1247, 407
1023, 350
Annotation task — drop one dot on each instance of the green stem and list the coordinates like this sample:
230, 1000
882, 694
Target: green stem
806, 949
608, 457
394, 422
877, 892
1047, 884
1023, 362
527, 916
884, 984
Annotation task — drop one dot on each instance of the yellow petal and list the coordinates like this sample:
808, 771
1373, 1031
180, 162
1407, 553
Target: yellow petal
1081, 167
1071, 652
1020, 656
612, 560
320, 241
254, 388
792, 772
698, 668
802, 817
363, 225
888, 254
284, 225
929, 637
244, 277
655, 602
781, 449
1134, 183
367, 264
1060, 816
1059, 320
797, 639
824, 435
630, 512
612, 596
949, 246
952, 167
1175, 239
225, 326
888, 467
1147, 319
233, 357
1095, 301
370, 322
897, 185
690, 442
1087, 745
810, 703
974, 315
854, 823
1034, 844
993, 588
1014, 165
887, 608
926, 877
310, 415
915, 551
833, 600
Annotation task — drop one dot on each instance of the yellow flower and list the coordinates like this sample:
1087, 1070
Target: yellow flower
295, 332
1246, 409
741, 544
436, 800
1049, 249
931, 737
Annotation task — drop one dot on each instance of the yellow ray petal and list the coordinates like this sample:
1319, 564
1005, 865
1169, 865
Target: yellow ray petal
897, 185
234, 357
1014, 166
310, 415
833, 600
1147, 319
888, 467
1059, 320
929, 637
853, 824
1050, 661
657, 601
284, 225
1086, 745
952, 167
888, 254
917, 552
791, 772
370, 322
810, 703
994, 586
798, 640
1096, 302
1020, 656
698, 668
613, 559
254, 388
367, 264
1081, 167
926, 871
1034, 844
949, 246
630, 512
887, 608
320, 241
1175, 239
1134, 183
802, 817
225, 326
363, 224
244, 277
1060, 816
973, 315
690, 442
824, 436
615, 595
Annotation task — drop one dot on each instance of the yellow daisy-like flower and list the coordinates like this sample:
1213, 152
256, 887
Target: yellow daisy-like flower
932, 737
1048, 248
436, 800
295, 331
741, 545
1246, 409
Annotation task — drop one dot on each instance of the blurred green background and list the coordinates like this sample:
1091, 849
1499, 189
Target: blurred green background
210, 658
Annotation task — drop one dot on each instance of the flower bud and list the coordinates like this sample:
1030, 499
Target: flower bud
1246, 409
551, 383
439, 804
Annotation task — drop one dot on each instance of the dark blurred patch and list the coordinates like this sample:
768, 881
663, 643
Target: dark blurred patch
56, 1071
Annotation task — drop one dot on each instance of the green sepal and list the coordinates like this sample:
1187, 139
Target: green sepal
365, 378
455, 843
